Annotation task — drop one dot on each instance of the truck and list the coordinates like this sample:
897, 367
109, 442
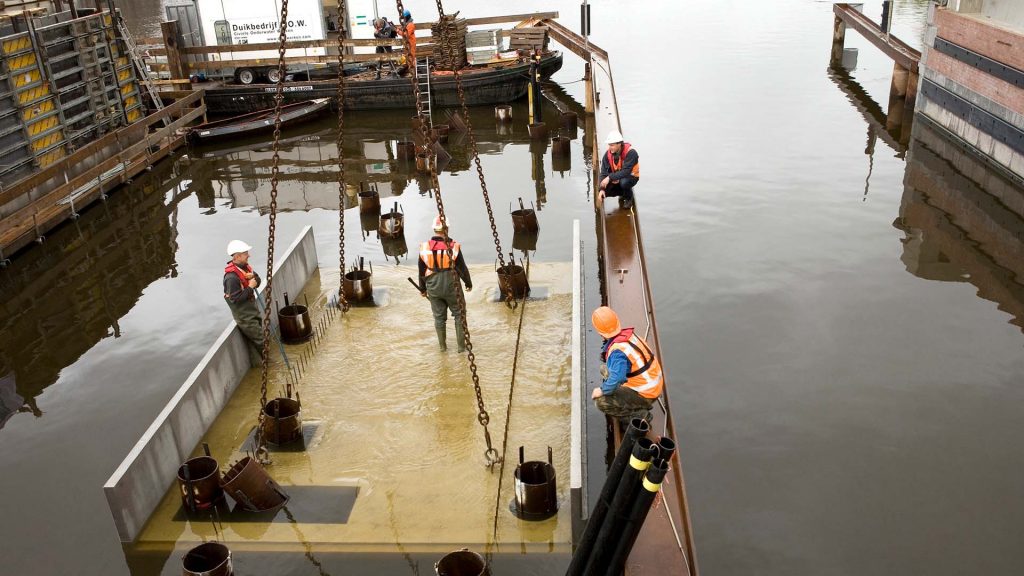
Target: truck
237, 22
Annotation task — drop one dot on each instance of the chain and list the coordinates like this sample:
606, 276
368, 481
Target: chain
491, 455
272, 232
342, 301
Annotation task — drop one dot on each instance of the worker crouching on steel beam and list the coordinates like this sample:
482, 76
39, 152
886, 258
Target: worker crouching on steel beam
240, 283
438, 283
631, 372
620, 170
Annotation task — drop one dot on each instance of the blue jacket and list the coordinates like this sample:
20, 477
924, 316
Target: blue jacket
618, 366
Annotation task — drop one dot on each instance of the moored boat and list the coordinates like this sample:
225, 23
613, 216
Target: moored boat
259, 121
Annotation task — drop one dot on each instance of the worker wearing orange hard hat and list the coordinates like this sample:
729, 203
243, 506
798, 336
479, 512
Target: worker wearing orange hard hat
438, 258
632, 378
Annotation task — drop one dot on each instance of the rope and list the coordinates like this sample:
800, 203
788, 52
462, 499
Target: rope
508, 416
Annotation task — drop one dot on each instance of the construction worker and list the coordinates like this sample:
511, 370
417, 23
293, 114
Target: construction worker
620, 170
408, 30
438, 283
384, 29
631, 373
240, 283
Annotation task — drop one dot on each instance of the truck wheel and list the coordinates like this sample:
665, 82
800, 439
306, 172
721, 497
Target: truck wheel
273, 75
245, 76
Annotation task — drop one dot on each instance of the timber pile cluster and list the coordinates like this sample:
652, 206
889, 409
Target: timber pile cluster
449, 36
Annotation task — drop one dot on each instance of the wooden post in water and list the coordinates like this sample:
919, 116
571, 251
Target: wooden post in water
897, 95
176, 64
838, 42
588, 78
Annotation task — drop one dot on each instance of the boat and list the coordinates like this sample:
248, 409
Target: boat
259, 121
497, 83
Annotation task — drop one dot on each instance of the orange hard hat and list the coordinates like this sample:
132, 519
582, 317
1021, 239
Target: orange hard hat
606, 322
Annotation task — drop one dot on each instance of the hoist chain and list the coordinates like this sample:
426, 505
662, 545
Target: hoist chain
491, 455
342, 300
274, 171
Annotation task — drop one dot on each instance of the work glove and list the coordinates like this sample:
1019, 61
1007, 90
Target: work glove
604, 371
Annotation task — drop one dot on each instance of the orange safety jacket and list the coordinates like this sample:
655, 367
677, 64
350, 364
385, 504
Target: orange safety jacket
644, 375
434, 254
410, 33
233, 268
616, 166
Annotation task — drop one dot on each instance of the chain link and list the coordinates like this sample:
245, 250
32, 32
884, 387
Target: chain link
342, 300
491, 455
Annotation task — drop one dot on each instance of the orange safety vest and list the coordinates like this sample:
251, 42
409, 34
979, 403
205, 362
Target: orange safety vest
644, 374
616, 166
434, 254
235, 269
410, 32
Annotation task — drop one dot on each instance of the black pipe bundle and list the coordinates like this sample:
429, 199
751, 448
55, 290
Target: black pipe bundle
637, 429
621, 504
641, 505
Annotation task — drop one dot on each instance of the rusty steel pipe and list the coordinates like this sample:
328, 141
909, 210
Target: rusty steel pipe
248, 484
294, 322
536, 494
369, 201
538, 131
570, 123
512, 277
359, 283
525, 219
392, 224
503, 113
440, 133
199, 481
282, 422
463, 562
208, 559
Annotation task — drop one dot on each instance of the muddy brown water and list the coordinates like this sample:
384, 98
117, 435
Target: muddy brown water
844, 319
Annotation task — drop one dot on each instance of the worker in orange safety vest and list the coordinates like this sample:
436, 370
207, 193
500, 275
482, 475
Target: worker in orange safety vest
439, 284
620, 170
632, 377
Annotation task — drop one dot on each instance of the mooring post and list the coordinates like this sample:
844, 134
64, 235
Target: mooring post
588, 78
176, 64
838, 42
897, 95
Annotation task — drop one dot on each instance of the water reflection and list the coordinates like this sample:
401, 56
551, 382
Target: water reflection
63, 297
963, 222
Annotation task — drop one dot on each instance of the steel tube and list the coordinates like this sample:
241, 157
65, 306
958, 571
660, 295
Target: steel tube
650, 486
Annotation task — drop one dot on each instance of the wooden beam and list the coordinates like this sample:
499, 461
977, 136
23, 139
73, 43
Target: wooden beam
892, 47
177, 65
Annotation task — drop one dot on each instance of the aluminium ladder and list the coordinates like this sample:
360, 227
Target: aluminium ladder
140, 66
423, 79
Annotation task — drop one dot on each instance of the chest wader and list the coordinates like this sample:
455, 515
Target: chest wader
248, 318
441, 292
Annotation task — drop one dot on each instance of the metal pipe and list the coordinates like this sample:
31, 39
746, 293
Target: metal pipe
618, 511
637, 429
649, 489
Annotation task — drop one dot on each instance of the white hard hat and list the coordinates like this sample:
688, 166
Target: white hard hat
438, 225
614, 137
237, 247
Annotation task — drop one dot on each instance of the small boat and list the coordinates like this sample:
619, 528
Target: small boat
259, 121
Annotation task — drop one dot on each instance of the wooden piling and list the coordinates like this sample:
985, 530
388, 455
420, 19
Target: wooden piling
588, 78
176, 64
838, 42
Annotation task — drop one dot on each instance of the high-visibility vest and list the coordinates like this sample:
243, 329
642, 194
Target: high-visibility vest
233, 268
410, 33
434, 254
616, 166
644, 374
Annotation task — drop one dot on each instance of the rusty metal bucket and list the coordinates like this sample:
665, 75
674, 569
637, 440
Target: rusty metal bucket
512, 277
425, 161
209, 559
524, 219
199, 480
406, 150
463, 562
570, 123
395, 247
294, 321
538, 131
524, 240
369, 201
503, 113
440, 132
358, 283
392, 224
282, 422
536, 494
559, 146
248, 483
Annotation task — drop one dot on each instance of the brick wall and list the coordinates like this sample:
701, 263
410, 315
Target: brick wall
998, 43
995, 89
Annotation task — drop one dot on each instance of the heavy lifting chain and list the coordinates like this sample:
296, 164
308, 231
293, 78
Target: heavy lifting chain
491, 455
261, 449
342, 301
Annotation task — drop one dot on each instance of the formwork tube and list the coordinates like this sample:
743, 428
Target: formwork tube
622, 502
666, 448
637, 429
649, 489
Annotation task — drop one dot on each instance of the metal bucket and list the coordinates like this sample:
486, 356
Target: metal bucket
358, 283
425, 161
209, 559
441, 133
513, 277
570, 123
248, 483
294, 321
559, 146
462, 563
282, 422
406, 151
524, 240
395, 247
538, 131
525, 219
369, 201
392, 224
199, 480
503, 113
536, 489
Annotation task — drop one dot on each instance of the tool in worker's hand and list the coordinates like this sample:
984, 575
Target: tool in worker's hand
416, 286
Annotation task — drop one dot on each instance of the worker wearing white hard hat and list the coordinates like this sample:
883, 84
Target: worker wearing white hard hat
240, 283
439, 258
620, 170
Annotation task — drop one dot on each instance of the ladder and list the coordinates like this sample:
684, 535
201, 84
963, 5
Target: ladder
423, 80
140, 67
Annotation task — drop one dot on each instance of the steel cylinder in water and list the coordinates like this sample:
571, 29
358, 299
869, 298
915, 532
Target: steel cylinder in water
248, 483
559, 146
570, 123
406, 151
201, 477
463, 562
358, 283
536, 496
425, 161
369, 201
395, 247
503, 113
538, 131
392, 224
524, 219
440, 132
524, 240
294, 321
282, 422
513, 277
208, 559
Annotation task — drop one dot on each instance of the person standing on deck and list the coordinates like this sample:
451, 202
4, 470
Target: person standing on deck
631, 372
383, 29
408, 30
620, 170
438, 284
240, 283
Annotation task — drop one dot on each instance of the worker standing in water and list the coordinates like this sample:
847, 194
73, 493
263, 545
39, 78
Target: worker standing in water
240, 283
632, 378
620, 170
440, 285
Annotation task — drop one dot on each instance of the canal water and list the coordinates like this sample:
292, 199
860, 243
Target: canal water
842, 314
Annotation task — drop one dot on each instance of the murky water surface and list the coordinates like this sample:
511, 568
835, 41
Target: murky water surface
843, 315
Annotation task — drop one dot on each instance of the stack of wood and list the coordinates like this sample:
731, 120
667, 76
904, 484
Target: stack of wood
449, 34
